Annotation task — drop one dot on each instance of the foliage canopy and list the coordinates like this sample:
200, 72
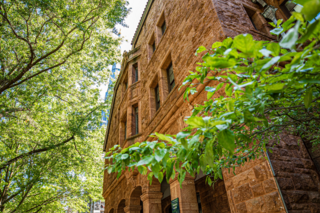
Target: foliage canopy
54, 55
269, 87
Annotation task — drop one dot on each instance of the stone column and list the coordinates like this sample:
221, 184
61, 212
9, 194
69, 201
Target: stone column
152, 202
187, 194
132, 209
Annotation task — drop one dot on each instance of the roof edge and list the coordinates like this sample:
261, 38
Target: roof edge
142, 20
125, 60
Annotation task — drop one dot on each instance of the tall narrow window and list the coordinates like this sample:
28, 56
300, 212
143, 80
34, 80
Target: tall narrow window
135, 73
170, 77
163, 27
157, 97
256, 20
288, 7
199, 203
151, 46
125, 130
136, 119
154, 46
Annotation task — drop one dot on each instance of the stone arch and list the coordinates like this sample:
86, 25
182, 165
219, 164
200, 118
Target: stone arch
135, 196
121, 206
168, 208
111, 211
135, 202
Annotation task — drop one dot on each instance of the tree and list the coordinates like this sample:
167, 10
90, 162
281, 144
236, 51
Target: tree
270, 87
54, 55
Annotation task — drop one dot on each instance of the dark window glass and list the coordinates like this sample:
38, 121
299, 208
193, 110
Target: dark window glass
314, 153
170, 77
125, 130
164, 27
141, 204
157, 97
136, 119
199, 203
288, 7
135, 73
154, 46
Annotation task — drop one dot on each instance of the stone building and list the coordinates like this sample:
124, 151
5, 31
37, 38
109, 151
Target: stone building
147, 100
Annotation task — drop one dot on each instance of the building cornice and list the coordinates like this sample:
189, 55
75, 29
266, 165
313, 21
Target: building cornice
125, 60
142, 20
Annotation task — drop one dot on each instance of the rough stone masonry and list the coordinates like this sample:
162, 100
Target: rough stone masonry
289, 182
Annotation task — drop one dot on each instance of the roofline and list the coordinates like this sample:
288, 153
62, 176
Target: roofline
142, 20
115, 89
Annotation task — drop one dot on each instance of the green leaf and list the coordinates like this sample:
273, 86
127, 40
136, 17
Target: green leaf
159, 154
150, 175
245, 44
155, 169
227, 42
310, 31
274, 48
311, 9
270, 63
209, 155
181, 135
276, 31
227, 140
222, 63
275, 87
216, 45
160, 177
169, 169
201, 49
146, 160
124, 156
290, 39
308, 98
195, 122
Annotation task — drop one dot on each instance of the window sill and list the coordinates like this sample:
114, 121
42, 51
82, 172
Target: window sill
157, 47
129, 141
164, 103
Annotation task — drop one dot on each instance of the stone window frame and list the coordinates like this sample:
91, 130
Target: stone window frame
151, 46
164, 75
257, 22
161, 20
135, 125
152, 95
285, 9
123, 128
125, 83
135, 72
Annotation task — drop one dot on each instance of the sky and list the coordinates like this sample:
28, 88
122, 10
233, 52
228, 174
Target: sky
132, 20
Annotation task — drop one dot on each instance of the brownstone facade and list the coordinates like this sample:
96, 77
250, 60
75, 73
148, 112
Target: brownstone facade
147, 100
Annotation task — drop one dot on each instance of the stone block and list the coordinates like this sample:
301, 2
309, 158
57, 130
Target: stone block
269, 185
254, 205
272, 203
242, 193
258, 190
308, 164
303, 182
285, 183
297, 196
260, 172
241, 208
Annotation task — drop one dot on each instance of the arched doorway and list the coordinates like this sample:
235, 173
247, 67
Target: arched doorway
121, 206
135, 199
168, 209
111, 211
166, 199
